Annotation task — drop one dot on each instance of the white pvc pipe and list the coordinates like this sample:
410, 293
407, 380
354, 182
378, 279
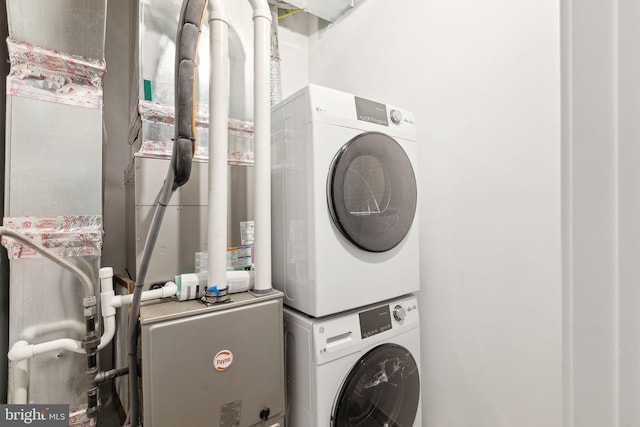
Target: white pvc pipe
168, 290
108, 333
20, 392
218, 144
262, 143
107, 294
22, 350
20, 386
33, 332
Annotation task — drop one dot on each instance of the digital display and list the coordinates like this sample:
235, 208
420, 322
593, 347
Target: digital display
372, 112
375, 321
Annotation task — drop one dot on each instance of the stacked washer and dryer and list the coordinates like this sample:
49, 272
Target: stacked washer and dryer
345, 255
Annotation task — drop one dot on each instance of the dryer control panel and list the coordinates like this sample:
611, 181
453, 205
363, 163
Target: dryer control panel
380, 114
346, 333
343, 109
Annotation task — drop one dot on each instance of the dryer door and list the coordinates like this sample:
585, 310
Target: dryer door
382, 390
371, 192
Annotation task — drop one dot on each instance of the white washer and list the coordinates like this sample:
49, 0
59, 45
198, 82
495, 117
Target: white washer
344, 201
361, 368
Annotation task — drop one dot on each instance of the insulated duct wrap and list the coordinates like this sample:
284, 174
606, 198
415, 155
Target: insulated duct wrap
53, 76
152, 133
54, 170
276, 75
65, 236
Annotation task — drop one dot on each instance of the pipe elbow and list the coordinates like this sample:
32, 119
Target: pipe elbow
20, 350
169, 289
109, 332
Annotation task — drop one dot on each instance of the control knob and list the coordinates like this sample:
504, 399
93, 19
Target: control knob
398, 313
396, 116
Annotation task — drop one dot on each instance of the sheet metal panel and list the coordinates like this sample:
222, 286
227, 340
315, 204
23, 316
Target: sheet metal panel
329, 10
72, 26
157, 27
53, 168
54, 154
183, 230
43, 293
180, 342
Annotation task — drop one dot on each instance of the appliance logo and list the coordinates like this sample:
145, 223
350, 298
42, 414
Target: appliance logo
223, 360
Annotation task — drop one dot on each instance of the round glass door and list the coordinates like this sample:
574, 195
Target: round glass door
371, 192
382, 390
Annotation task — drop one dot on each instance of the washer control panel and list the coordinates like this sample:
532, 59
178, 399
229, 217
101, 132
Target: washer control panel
398, 313
342, 334
404, 311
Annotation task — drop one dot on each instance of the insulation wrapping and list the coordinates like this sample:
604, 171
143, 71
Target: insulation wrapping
276, 74
52, 76
152, 132
66, 236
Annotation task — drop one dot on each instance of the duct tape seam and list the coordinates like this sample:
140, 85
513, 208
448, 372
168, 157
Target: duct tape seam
52, 76
156, 122
66, 236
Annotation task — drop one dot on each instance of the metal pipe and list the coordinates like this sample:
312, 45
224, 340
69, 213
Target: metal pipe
262, 144
218, 144
109, 375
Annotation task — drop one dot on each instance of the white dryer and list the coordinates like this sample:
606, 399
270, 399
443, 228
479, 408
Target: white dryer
344, 201
361, 368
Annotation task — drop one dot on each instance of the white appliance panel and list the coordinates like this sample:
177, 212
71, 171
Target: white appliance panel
320, 271
320, 354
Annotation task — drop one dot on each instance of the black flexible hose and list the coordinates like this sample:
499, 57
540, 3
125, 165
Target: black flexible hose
189, 24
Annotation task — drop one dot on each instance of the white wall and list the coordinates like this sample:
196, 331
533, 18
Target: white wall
483, 79
589, 165
601, 100
293, 42
628, 83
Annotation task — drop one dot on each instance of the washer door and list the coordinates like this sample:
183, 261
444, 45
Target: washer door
382, 390
371, 192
